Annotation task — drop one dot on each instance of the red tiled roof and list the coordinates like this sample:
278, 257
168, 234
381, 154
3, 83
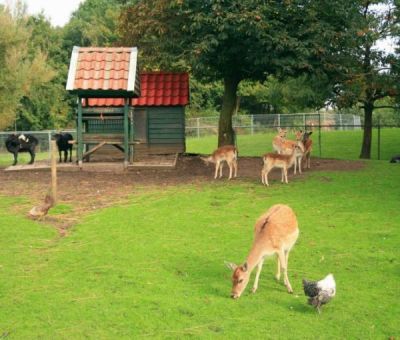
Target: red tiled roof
157, 89
103, 69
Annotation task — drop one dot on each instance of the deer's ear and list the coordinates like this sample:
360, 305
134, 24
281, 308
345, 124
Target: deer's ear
230, 265
244, 267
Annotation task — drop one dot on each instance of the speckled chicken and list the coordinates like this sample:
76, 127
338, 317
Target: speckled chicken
320, 292
40, 211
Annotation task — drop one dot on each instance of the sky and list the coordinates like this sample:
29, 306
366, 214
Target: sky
58, 11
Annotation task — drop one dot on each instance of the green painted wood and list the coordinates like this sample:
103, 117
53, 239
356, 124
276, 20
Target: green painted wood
166, 126
79, 131
126, 132
103, 110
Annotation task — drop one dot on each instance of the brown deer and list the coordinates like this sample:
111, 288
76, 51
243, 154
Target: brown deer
277, 142
284, 162
307, 142
227, 153
275, 232
287, 147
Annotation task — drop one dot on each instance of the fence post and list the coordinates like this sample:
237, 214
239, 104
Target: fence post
379, 138
279, 120
252, 124
198, 127
340, 121
319, 135
304, 121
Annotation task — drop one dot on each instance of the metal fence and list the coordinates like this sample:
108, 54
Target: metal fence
251, 124
320, 124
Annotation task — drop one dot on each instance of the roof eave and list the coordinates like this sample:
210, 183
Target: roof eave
72, 68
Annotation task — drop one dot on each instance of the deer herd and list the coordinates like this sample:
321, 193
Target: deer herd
287, 153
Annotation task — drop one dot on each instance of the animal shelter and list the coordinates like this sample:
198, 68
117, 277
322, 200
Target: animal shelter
130, 113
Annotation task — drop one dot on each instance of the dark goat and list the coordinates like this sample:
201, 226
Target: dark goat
21, 143
63, 144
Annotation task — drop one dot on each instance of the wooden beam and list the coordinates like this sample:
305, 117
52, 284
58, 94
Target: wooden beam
54, 170
94, 149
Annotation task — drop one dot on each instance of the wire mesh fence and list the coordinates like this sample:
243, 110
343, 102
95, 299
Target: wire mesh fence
334, 135
251, 124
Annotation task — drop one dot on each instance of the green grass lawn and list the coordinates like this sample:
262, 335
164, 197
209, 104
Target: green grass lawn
334, 144
155, 266
7, 159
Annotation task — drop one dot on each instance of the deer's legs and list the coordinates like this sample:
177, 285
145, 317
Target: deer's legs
259, 267
282, 260
230, 165
217, 164
278, 269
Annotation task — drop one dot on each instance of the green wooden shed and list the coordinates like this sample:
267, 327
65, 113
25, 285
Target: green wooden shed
157, 116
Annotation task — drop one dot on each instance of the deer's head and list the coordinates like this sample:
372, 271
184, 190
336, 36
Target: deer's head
207, 160
282, 133
240, 279
306, 136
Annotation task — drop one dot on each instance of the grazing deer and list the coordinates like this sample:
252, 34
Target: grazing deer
275, 232
277, 142
307, 142
227, 153
274, 160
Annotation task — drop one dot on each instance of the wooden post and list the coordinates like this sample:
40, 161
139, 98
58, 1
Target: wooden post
126, 133
131, 135
379, 138
319, 135
79, 133
54, 170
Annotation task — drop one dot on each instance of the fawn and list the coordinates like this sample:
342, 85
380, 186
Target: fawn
227, 153
284, 162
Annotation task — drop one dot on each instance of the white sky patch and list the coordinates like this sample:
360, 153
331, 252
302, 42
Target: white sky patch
57, 11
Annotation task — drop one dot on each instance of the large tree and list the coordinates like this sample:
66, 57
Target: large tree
366, 74
236, 40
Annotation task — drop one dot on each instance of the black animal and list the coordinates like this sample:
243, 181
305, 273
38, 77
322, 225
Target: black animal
21, 143
395, 159
63, 144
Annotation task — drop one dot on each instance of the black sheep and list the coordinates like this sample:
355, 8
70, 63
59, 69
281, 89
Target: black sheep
21, 143
63, 141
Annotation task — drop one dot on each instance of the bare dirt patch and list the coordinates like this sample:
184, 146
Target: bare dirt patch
105, 185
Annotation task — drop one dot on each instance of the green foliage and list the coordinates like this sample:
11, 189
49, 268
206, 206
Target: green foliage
205, 98
155, 266
291, 95
94, 23
23, 69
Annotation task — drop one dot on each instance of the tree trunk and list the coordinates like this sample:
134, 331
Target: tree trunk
226, 135
367, 137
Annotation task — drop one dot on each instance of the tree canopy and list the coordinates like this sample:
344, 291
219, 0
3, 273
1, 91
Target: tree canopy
236, 40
